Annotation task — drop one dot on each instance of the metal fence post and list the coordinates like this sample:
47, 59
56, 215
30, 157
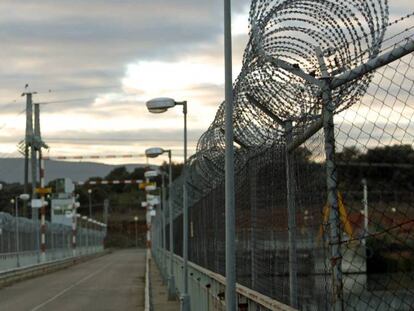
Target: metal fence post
334, 225
230, 292
365, 202
253, 217
164, 234
171, 280
291, 211
17, 231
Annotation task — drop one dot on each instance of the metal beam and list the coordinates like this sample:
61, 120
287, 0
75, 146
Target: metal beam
292, 69
235, 139
265, 110
309, 132
373, 64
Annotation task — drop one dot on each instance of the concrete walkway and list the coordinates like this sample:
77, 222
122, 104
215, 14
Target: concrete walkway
159, 292
112, 282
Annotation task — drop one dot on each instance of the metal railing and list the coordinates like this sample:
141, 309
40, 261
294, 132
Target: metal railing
18, 245
207, 288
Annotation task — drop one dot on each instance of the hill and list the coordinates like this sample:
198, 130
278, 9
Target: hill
12, 169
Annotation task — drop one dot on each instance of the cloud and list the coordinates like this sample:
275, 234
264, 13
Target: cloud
108, 58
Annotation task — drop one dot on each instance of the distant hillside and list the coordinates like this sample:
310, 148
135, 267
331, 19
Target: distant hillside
12, 170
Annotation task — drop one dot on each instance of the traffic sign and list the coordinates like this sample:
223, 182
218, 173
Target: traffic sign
43, 190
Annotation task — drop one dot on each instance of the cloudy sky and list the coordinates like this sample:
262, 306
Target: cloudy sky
102, 59
94, 63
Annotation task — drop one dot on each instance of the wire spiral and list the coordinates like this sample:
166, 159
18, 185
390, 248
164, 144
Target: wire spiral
266, 95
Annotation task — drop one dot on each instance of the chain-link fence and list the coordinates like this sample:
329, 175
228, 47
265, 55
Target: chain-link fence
324, 137
19, 246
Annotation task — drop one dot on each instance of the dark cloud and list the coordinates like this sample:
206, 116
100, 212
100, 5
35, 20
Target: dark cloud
69, 44
78, 45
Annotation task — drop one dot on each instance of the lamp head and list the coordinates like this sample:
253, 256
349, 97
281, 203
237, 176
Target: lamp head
154, 152
160, 105
24, 197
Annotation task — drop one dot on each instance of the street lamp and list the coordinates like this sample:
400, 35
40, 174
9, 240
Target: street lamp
153, 153
24, 197
136, 231
159, 105
90, 202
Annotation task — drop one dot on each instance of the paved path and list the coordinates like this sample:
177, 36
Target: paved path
112, 282
159, 292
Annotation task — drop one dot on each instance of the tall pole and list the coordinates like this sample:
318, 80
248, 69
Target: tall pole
164, 226
185, 298
106, 208
229, 165
33, 154
28, 142
334, 225
37, 142
90, 202
365, 202
87, 235
74, 229
34, 174
253, 223
79, 229
42, 209
171, 280
291, 211
16, 202
136, 231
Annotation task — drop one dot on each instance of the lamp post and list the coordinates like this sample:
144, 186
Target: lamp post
24, 197
159, 105
90, 202
88, 231
85, 225
136, 231
162, 210
78, 230
153, 153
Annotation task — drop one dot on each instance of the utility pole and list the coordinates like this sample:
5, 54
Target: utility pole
37, 141
38, 144
27, 143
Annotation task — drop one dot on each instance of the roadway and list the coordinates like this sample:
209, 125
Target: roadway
112, 282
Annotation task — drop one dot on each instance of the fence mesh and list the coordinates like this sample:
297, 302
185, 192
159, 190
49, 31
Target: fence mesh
19, 245
324, 160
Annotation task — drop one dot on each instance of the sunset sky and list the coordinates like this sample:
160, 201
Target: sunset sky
97, 62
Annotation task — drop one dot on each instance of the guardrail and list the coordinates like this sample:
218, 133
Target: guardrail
207, 288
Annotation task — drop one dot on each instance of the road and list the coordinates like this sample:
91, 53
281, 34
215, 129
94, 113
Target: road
112, 282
